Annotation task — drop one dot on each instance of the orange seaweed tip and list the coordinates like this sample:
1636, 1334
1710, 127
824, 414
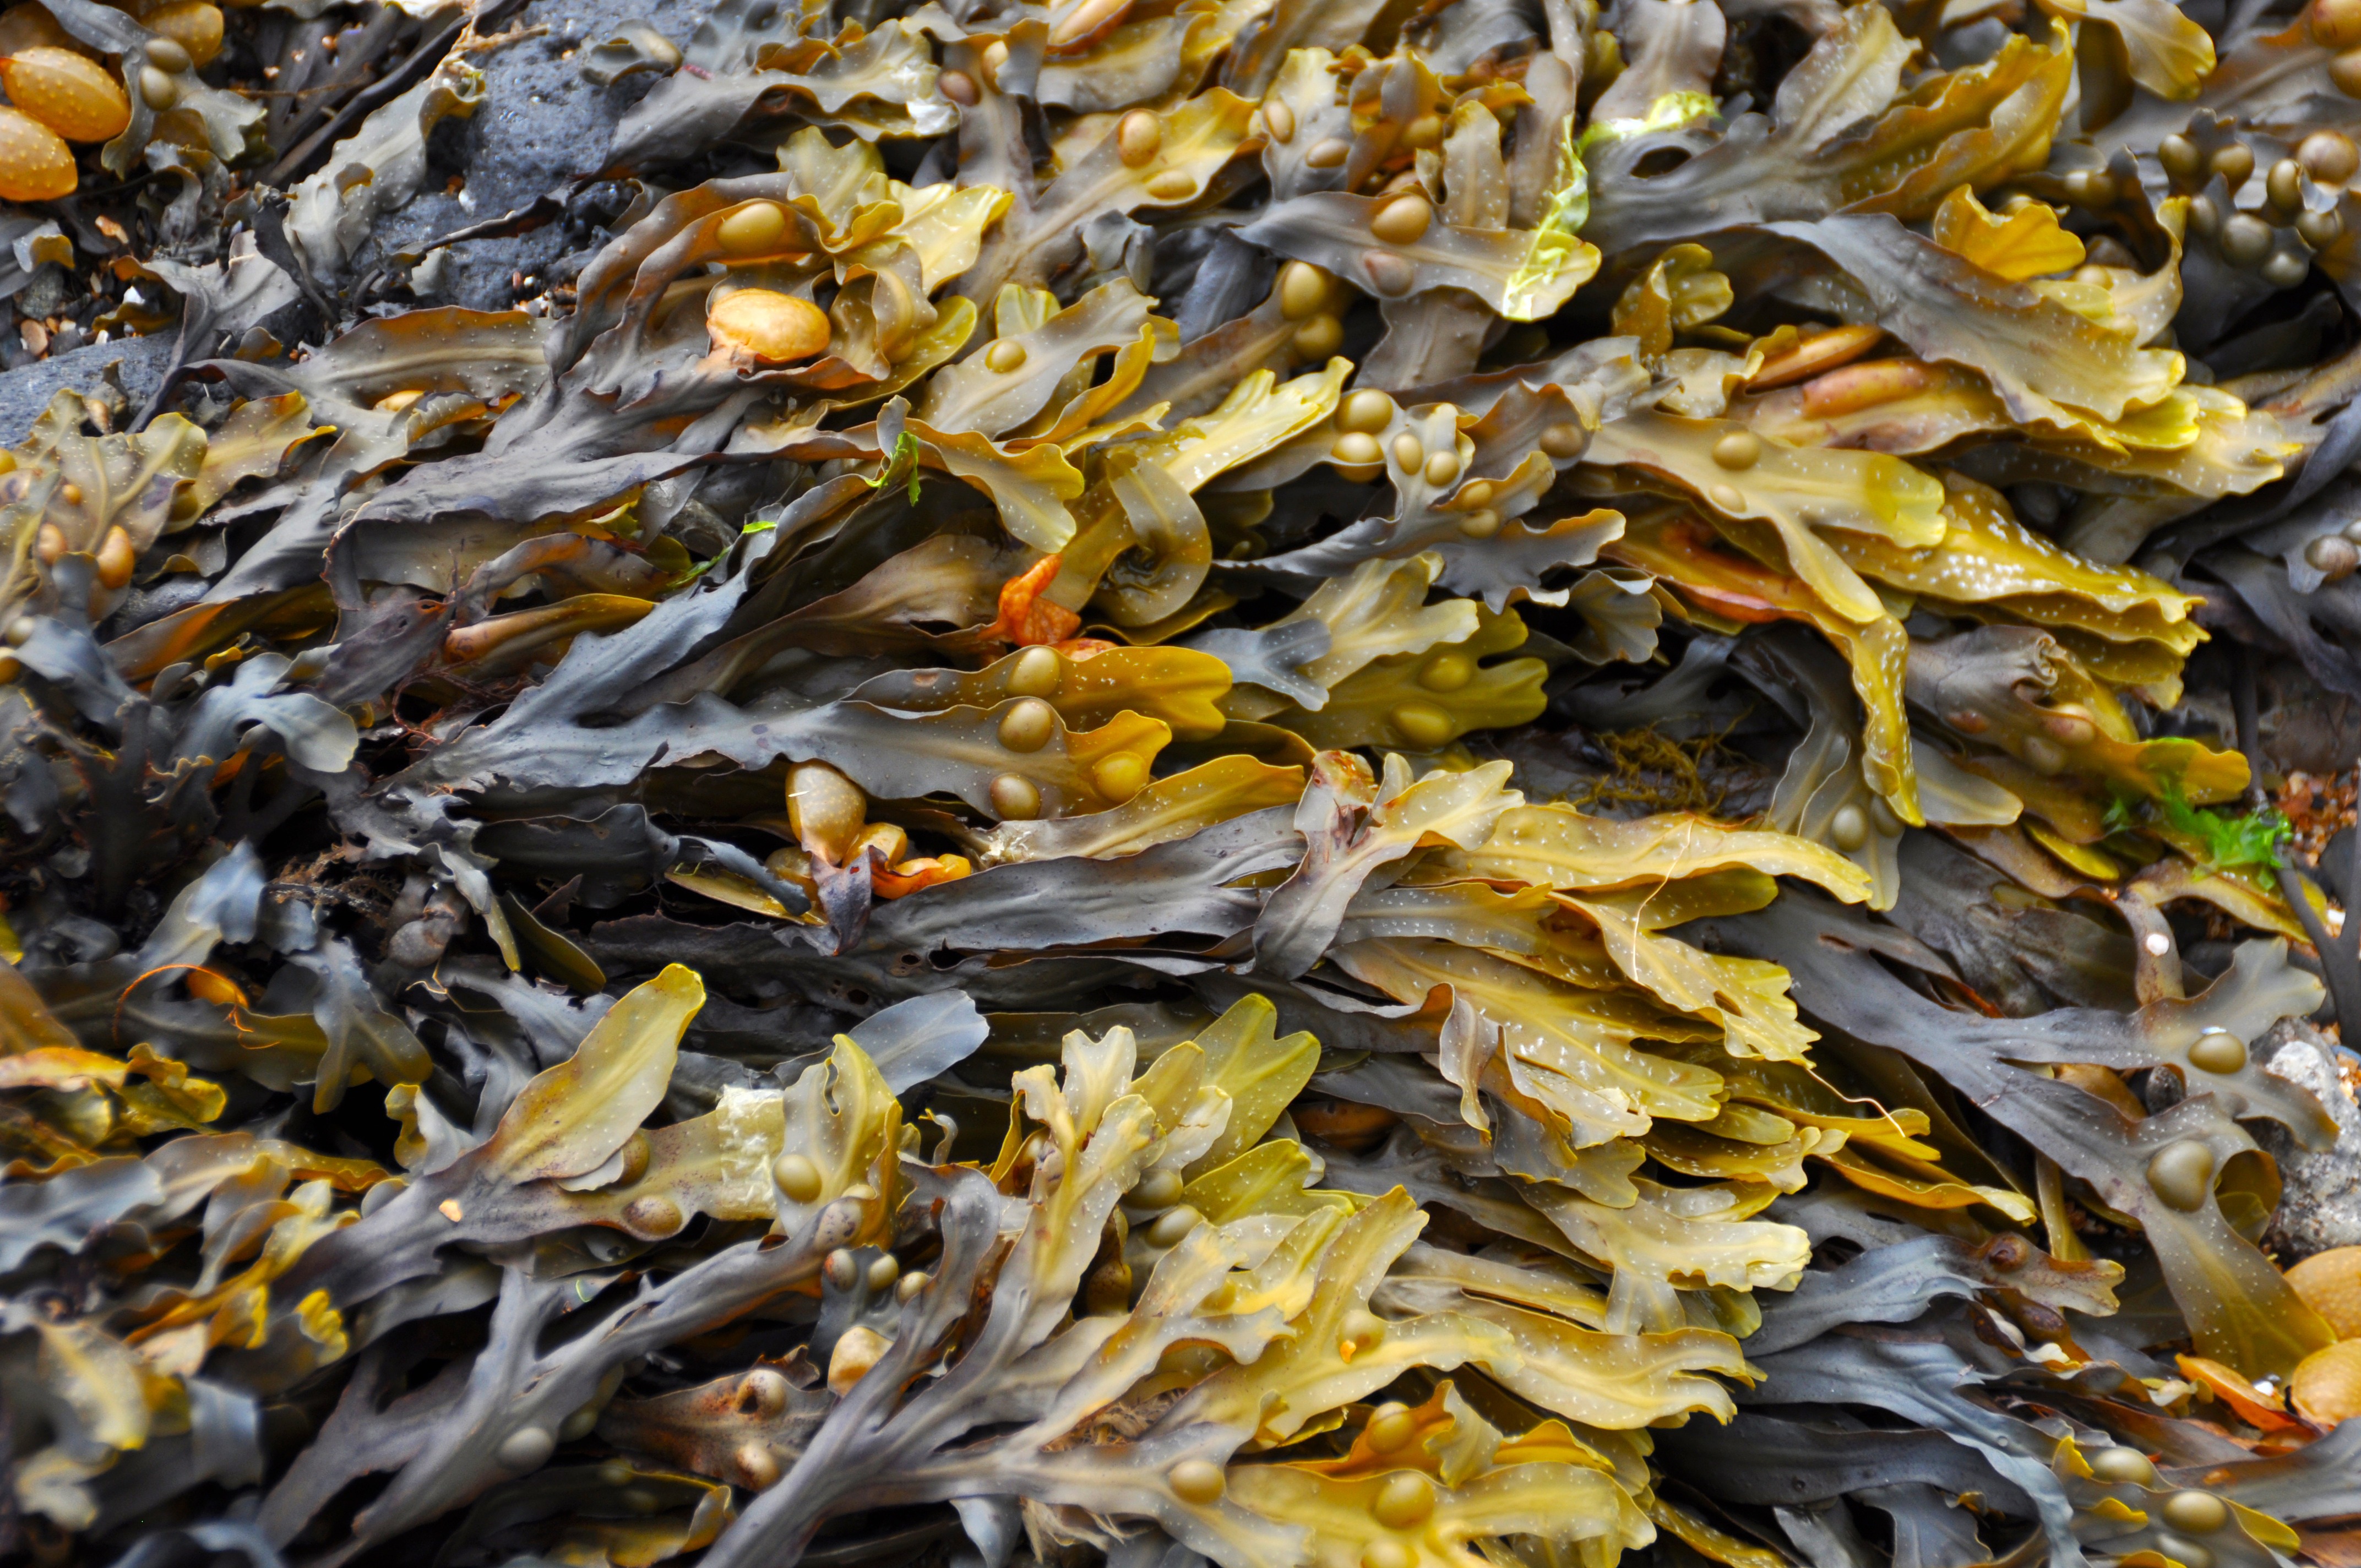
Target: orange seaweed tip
2327, 1384
2330, 1284
36, 165
1026, 618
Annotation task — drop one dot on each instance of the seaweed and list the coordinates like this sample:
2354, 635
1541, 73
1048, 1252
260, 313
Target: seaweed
1138, 782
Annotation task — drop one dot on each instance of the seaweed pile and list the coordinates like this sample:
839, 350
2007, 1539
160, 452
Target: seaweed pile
1271, 782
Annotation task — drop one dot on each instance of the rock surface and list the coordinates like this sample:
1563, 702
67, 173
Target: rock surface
541, 126
24, 393
2321, 1207
541, 129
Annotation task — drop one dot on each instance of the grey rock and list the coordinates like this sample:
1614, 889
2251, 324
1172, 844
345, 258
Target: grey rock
24, 393
2321, 1207
541, 128
50, 291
